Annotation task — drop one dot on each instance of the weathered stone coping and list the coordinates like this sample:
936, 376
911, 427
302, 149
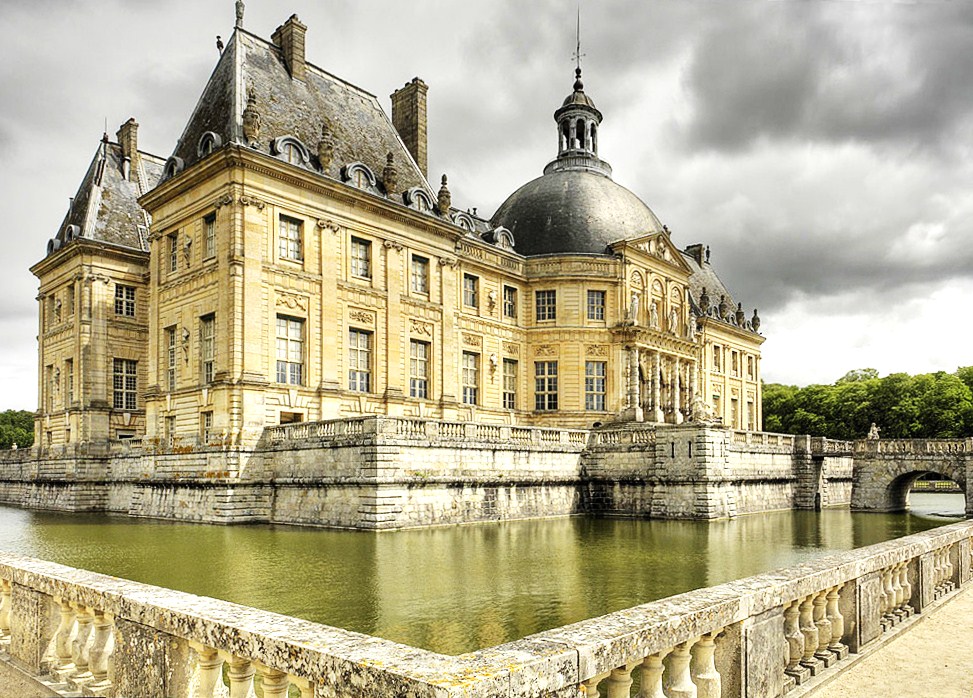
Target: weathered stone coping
336, 660
933, 447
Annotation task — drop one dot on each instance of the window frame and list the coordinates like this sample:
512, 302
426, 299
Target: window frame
171, 363
509, 385
209, 236
360, 266
471, 290
291, 371
545, 386
124, 300
510, 302
207, 348
470, 377
173, 252
419, 272
290, 246
128, 378
595, 385
360, 377
419, 369
595, 311
206, 426
545, 305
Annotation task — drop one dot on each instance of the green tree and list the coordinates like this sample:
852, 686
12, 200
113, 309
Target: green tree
16, 427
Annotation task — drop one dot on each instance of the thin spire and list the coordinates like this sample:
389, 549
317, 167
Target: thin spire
577, 52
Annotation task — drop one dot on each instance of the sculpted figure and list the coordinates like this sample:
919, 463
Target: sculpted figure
653, 316
674, 321
326, 147
633, 310
251, 119
873, 432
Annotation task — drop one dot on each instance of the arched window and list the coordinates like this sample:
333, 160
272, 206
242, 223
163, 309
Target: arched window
464, 221
173, 167
594, 138
579, 132
208, 142
358, 175
565, 135
291, 150
418, 199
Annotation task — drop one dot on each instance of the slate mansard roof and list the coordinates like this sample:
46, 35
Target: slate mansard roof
297, 108
106, 208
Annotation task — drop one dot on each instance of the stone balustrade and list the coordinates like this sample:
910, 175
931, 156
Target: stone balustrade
917, 447
762, 438
755, 638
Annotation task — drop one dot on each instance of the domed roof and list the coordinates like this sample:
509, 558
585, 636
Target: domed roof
573, 210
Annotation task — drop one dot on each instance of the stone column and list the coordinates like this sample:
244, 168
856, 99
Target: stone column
676, 391
657, 415
633, 409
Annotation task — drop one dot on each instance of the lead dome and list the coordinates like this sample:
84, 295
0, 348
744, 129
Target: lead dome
575, 206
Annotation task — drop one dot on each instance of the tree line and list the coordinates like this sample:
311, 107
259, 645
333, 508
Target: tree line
16, 427
928, 405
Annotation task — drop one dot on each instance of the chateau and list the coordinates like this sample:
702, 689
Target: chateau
292, 261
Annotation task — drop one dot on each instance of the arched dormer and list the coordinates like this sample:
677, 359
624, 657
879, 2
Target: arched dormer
208, 142
358, 175
173, 166
464, 221
418, 199
291, 150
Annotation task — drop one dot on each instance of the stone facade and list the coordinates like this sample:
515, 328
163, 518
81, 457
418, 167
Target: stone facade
294, 264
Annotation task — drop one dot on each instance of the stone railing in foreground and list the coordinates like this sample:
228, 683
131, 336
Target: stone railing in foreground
913, 447
758, 637
423, 430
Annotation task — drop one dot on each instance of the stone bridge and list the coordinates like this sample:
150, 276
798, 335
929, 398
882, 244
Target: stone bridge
885, 470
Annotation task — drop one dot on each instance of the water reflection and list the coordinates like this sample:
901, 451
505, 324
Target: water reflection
449, 589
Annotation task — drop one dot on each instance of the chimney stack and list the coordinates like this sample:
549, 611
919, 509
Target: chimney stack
290, 37
128, 139
409, 119
696, 252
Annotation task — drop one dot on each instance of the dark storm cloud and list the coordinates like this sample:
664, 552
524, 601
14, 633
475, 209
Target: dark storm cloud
833, 71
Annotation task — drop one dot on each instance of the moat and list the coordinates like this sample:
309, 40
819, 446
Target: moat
460, 588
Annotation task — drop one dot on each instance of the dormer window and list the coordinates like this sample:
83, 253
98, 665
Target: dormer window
174, 166
208, 142
464, 221
290, 150
418, 199
358, 175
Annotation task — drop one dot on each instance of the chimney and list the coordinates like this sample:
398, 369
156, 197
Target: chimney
128, 139
696, 252
290, 37
409, 119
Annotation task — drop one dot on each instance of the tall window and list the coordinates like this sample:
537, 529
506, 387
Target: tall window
290, 350
419, 275
594, 385
735, 363
596, 305
471, 378
205, 426
209, 236
717, 358
359, 361
173, 241
545, 385
509, 302
509, 384
471, 290
750, 366
125, 384
70, 301
49, 371
418, 369
68, 382
169, 429
207, 346
124, 300
546, 303
290, 239
171, 358
361, 262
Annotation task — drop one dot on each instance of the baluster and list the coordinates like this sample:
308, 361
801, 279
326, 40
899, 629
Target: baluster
680, 683
81, 646
888, 599
4, 611
836, 646
810, 631
620, 682
651, 678
898, 592
590, 686
948, 564
938, 572
240, 673
705, 676
100, 656
906, 590
304, 685
64, 666
823, 625
795, 644
209, 672
275, 683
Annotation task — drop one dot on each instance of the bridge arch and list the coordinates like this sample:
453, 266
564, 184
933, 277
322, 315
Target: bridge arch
883, 479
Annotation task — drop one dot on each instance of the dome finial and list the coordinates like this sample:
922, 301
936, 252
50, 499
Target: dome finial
578, 85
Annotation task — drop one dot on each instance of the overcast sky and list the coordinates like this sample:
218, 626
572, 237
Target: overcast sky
822, 149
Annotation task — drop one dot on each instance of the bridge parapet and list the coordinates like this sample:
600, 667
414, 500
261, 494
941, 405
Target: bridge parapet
917, 447
757, 636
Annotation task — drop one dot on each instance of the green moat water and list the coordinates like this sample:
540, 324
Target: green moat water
459, 588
